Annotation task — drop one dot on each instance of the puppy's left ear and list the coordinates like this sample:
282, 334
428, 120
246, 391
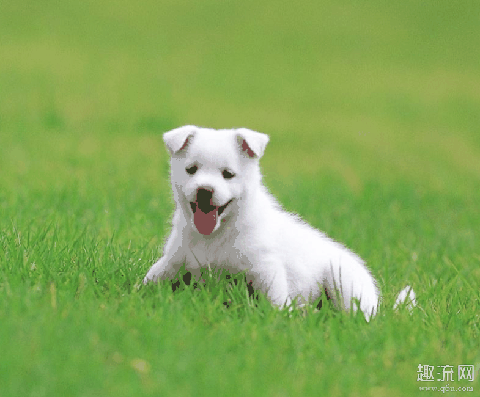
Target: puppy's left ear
177, 139
252, 143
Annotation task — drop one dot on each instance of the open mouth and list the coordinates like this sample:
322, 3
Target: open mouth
206, 216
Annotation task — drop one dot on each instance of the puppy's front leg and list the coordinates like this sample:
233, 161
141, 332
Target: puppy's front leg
171, 261
158, 270
271, 279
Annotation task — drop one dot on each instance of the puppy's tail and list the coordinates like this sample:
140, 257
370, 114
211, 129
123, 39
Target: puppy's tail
406, 298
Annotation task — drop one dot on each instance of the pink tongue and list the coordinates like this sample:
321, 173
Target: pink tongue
205, 222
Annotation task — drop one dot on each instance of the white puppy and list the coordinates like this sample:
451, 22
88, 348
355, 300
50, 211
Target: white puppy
226, 219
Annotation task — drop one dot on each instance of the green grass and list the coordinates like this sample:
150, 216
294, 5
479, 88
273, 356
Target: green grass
373, 113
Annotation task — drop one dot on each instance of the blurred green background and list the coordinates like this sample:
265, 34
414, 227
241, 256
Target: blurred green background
364, 90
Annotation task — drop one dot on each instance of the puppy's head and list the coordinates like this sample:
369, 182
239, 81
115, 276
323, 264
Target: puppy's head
212, 171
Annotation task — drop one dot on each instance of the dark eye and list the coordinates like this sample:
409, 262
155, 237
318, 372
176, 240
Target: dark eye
191, 170
227, 174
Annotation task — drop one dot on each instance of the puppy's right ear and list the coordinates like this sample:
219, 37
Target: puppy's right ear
177, 139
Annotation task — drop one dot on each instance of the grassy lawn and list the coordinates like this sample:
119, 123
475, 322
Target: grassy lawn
373, 110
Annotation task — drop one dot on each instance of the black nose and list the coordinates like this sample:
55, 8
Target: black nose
204, 200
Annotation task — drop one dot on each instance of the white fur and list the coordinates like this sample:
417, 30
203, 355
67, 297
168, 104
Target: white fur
284, 256
407, 298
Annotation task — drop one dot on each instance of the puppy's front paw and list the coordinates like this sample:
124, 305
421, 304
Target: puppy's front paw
155, 272
146, 279
149, 278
